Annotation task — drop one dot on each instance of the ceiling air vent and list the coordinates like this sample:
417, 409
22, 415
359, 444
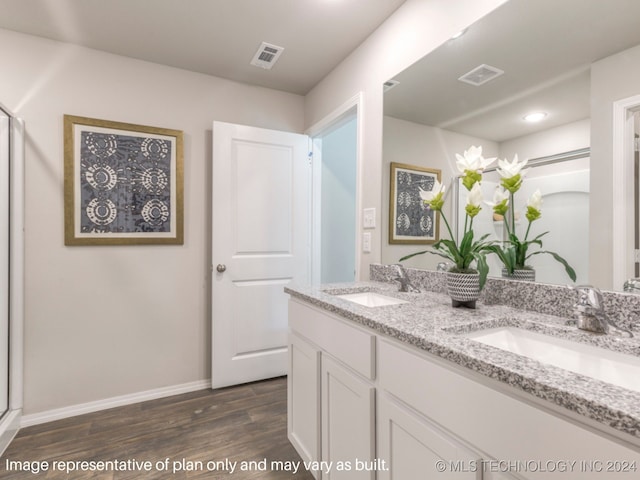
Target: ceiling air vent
389, 84
266, 55
481, 75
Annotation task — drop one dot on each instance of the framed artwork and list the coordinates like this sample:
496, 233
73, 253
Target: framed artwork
410, 222
123, 183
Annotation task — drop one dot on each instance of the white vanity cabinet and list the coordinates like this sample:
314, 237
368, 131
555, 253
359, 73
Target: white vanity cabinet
516, 436
331, 396
355, 395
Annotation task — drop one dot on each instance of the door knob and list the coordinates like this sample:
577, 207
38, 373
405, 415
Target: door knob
221, 268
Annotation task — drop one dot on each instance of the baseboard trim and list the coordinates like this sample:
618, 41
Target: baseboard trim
89, 407
9, 426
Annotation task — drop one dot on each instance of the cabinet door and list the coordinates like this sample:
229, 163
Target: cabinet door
303, 405
412, 447
348, 423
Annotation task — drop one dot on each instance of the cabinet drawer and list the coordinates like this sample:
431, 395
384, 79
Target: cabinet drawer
349, 344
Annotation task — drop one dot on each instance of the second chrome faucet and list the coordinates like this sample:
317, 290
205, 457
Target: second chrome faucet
589, 310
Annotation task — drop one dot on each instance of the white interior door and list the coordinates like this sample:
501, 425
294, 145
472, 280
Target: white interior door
260, 243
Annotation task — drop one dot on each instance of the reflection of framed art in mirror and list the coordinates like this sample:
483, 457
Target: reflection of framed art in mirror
410, 221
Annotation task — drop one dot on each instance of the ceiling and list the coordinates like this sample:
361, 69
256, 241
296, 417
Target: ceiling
545, 48
214, 37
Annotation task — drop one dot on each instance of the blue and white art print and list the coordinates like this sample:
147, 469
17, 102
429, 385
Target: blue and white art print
411, 222
126, 183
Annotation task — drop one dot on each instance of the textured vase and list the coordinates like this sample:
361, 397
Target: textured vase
526, 274
463, 288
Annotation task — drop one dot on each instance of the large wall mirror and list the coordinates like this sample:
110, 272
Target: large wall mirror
566, 59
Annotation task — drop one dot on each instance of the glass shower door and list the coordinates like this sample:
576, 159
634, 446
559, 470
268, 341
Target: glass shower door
4, 262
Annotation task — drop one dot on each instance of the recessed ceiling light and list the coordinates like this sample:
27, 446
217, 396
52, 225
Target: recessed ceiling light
535, 116
459, 34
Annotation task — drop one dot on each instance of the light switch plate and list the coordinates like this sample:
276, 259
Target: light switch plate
369, 218
366, 242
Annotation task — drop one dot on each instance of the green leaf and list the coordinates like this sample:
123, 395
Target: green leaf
466, 243
511, 258
570, 271
513, 239
506, 254
501, 253
433, 252
457, 255
541, 235
483, 267
407, 257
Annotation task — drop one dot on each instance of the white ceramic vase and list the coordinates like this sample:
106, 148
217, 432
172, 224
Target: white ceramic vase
526, 274
463, 288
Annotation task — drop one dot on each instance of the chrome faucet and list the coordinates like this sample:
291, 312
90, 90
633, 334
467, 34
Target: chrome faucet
403, 279
632, 285
591, 315
443, 267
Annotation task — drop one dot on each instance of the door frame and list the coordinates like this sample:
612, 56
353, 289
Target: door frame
10, 422
333, 120
623, 212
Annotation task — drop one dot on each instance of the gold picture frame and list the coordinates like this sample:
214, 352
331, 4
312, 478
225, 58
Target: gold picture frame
410, 222
123, 183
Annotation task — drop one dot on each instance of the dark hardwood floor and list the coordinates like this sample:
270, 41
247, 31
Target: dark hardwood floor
236, 424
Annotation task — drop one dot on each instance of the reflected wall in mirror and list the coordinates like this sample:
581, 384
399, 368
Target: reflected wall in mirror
569, 59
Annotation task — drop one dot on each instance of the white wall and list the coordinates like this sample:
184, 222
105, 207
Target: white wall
415, 29
614, 78
565, 190
571, 136
338, 212
108, 321
566, 199
430, 147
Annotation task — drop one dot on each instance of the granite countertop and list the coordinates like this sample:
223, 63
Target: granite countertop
429, 322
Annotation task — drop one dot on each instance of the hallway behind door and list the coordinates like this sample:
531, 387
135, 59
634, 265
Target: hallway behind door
338, 203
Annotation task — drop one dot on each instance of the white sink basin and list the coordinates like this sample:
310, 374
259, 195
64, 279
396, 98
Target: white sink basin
606, 365
371, 299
